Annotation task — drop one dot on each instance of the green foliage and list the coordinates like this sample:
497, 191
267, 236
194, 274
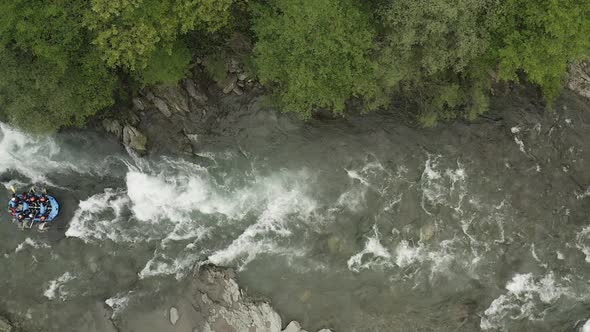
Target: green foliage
128, 32
433, 36
50, 75
435, 53
541, 37
62, 59
316, 53
216, 68
167, 66
39, 97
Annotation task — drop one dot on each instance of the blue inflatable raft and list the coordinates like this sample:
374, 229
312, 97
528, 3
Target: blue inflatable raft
33, 208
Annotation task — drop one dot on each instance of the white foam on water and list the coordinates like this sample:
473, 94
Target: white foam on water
18, 150
526, 298
586, 326
406, 254
118, 302
520, 144
99, 217
283, 201
31, 243
56, 287
442, 187
583, 195
583, 242
163, 265
377, 254
353, 199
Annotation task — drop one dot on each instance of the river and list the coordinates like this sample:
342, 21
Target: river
357, 224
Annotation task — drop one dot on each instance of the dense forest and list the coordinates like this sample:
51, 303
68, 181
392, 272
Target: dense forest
62, 61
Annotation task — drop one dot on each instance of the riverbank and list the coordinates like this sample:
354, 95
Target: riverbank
355, 224
210, 300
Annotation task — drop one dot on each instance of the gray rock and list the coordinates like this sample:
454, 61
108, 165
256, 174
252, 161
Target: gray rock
242, 77
578, 78
150, 96
233, 66
229, 84
113, 126
162, 107
241, 84
174, 316
225, 307
134, 139
199, 97
5, 325
237, 90
325, 330
175, 97
138, 104
132, 119
294, 327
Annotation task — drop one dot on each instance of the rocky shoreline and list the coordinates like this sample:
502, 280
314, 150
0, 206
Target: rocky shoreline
180, 120
209, 301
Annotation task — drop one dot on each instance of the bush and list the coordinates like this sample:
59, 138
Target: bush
315, 53
167, 66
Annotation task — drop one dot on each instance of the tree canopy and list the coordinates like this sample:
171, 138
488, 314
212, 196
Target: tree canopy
540, 38
315, 53
65, 60
50, 75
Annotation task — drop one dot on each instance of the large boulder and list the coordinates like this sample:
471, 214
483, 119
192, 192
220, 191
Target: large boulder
134, 139
225, 307
578, 78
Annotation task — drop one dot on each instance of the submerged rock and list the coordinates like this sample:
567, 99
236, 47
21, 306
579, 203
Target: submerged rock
174, 316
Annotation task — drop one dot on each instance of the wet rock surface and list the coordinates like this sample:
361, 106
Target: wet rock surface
519, 158
5, 325
211, 301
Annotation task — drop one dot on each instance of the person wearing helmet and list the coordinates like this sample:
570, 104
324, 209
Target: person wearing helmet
14, 201
20, 216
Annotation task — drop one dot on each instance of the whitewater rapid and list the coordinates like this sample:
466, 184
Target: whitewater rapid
421, 229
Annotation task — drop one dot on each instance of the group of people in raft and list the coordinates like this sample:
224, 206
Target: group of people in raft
30, 207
